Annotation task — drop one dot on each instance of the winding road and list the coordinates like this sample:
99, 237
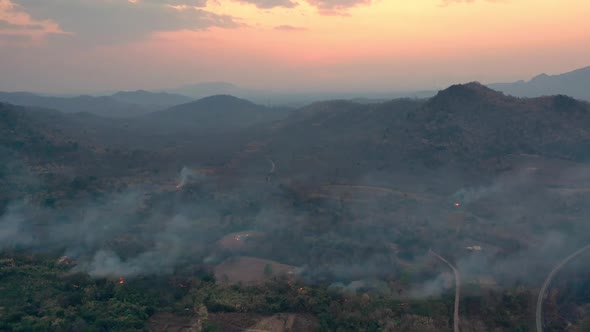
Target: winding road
457, 289
548, 280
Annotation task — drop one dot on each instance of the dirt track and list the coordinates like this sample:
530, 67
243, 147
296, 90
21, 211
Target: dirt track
457, 290
556, 269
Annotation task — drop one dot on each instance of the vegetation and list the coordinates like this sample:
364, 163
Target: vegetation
341, 232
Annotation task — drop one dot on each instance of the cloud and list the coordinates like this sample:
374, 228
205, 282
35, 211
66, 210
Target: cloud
5, 25
14, 38
111, 22
196, 3
289, 28
325, 7
265, 4
337, 7
448, 2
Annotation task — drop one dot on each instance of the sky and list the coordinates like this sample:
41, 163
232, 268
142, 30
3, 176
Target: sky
82, 46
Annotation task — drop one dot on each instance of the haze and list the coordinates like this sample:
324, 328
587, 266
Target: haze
74, 46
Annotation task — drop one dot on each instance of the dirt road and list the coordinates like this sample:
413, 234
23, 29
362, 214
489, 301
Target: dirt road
548, 280
457, 290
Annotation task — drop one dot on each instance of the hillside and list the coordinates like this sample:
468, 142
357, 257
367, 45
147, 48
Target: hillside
27, 142
207, 89
103, 106
323, 211
221, 112
574, 83
469, 127
150, 99
26, 131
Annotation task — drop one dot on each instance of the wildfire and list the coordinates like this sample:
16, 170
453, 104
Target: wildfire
239, 237
457, 204
121, 281
65, 260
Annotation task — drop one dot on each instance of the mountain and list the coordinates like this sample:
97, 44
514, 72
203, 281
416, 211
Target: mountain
33, 134
207, 89
103, 106
18, 130
292, 98
574, 84
220, 112
468, 127
146, 98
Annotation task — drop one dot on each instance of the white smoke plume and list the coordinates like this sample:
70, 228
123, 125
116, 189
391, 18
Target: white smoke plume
12, 228
501, 184
186, 175
168, 249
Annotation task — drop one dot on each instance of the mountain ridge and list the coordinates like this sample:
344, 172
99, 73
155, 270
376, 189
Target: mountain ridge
573, 83
119, 105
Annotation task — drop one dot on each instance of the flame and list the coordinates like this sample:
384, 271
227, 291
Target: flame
65, 260
457, 204
239, 237
121, 281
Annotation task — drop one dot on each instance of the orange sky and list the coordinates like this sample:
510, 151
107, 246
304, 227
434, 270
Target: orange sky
381, 44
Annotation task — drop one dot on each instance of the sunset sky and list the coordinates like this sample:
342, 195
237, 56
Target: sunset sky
70, 46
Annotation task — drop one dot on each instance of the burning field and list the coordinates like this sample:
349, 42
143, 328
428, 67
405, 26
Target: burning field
239, 241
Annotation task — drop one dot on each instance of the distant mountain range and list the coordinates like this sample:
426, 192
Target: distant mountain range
214, 113
290, 99
575, 84
118, 105
572, 84
468, 127
125, 104
147, 98
207, 89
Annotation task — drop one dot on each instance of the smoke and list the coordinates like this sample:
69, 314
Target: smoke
433, 288
506, 183
12, 228
527, 266
168, 248
186, 175
350, 244
107, 239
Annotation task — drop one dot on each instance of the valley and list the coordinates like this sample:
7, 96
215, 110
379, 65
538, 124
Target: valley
221, 214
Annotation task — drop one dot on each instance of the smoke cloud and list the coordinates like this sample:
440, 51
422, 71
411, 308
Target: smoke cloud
335, 239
